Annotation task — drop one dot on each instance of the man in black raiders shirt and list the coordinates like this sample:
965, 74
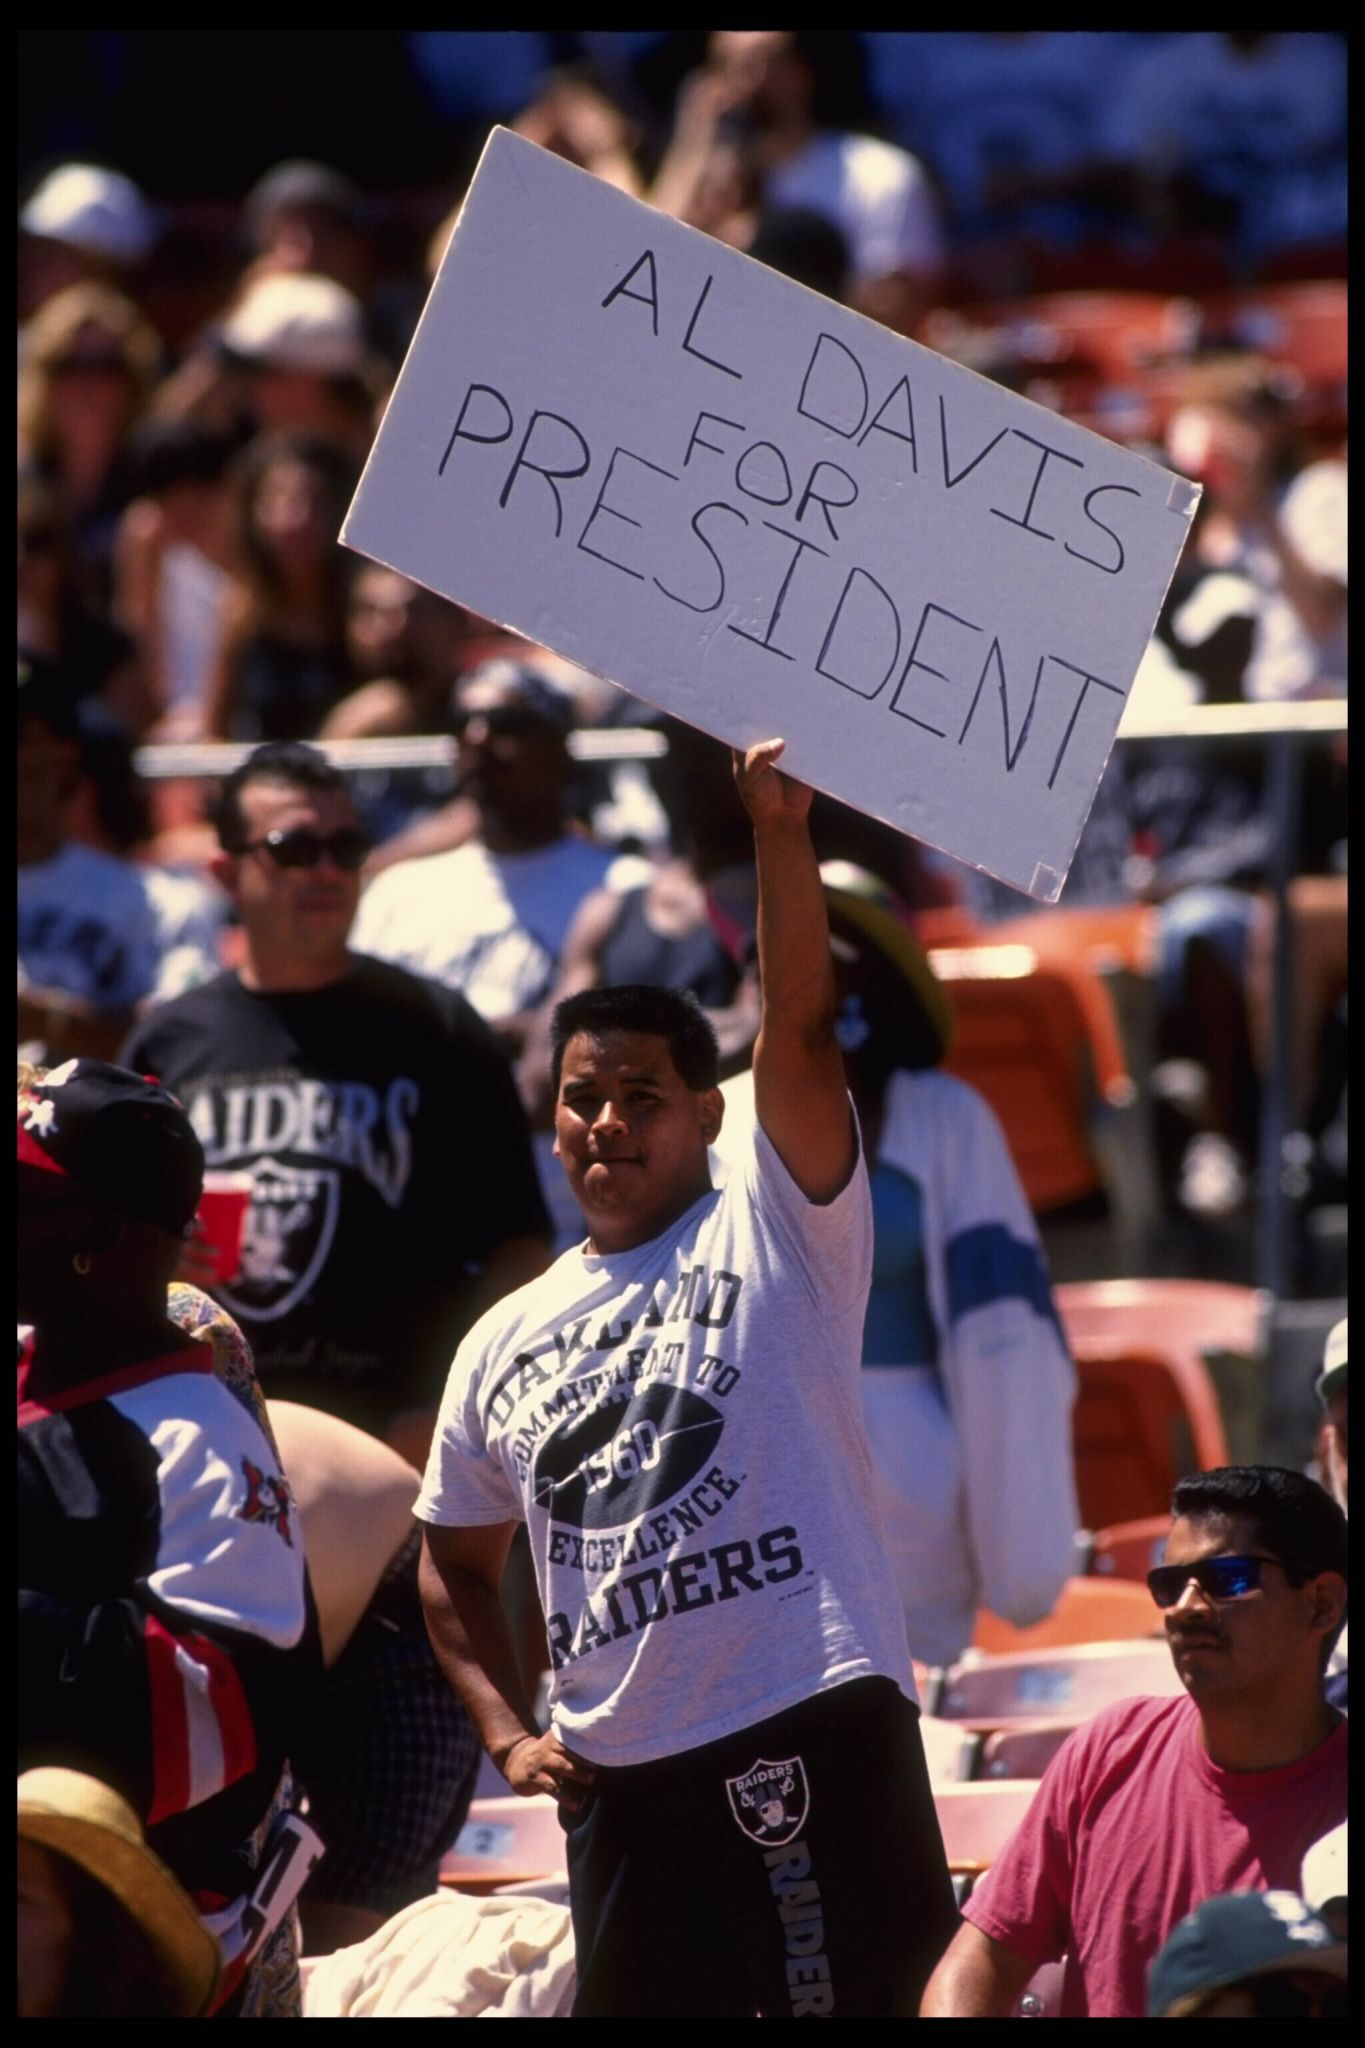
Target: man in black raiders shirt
394, 1189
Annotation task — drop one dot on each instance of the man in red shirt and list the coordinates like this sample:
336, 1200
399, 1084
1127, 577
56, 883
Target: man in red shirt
1159, 1804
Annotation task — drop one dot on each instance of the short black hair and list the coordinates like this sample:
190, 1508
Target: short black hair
670, 1013
1295, 1518
289, 761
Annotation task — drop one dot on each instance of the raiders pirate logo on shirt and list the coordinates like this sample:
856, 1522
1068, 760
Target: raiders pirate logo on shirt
771, 1801
287, 1236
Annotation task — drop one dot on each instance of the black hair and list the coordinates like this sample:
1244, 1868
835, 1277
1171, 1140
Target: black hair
291, 761
1295, 1518
804, 245
165, 453
670, 1013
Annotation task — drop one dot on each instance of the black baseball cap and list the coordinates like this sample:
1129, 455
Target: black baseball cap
116, 1136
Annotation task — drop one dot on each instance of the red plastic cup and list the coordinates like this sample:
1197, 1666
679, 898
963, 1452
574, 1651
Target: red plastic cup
222, 1218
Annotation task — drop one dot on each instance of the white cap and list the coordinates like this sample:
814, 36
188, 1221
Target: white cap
1324, 1870
298, 323
1332, 1379
93, 209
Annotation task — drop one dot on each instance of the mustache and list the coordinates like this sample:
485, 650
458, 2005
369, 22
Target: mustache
1192, 1632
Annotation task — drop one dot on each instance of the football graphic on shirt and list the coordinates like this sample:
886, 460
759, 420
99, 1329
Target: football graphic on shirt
626, 1459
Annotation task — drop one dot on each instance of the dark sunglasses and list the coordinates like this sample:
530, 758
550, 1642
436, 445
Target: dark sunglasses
504, 721
348, 848
1222, 1578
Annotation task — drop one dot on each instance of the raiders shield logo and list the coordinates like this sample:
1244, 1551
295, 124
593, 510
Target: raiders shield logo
771, 1801
286, 1238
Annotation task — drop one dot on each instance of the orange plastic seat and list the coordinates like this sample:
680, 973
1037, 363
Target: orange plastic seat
1129, 1549
1040, 1042
1147, 1411
505, 1841
1092, 1610
1069, 1683
1023, 1752
1106, 934
977, 1820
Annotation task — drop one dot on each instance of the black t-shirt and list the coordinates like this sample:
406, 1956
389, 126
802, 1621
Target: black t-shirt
389, 1154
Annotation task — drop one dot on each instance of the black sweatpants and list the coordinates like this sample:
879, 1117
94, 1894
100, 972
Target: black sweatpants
794, 1870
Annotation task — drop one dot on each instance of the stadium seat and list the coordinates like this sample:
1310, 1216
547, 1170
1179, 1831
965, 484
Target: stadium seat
1305, 326
950, 1750
1023, 1752
1147, 1409
505, 1841
1040, 1042
1090, 1610
1129, 1549
977, 1821
1070, 1683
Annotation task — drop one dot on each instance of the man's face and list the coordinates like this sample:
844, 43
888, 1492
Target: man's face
1240, 1649
632, 1135
306, 910
511, 760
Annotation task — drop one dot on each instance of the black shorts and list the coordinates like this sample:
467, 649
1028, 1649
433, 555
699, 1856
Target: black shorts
794, 1870
390, 1761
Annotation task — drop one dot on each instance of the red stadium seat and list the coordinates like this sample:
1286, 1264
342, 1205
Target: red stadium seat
1022, 1752
978, 1820
1063, 1684
1147, 1410
1129, 1549
1090, 1610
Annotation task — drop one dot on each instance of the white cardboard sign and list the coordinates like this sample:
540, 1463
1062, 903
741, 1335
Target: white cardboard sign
768, 515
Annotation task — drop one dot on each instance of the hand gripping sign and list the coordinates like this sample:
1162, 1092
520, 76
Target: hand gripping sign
766, 514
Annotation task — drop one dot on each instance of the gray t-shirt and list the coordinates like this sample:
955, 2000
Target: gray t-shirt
680, 1426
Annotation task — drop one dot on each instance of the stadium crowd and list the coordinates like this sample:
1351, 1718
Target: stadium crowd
330, 1055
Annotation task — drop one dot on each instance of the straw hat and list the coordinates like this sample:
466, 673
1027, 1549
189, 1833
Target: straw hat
85, 1821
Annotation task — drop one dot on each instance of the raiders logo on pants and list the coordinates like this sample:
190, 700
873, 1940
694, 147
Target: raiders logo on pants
771, 1874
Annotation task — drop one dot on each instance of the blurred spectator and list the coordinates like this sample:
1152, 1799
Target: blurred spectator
406, 645
281, 662
1238, 130
306, 218
576, 114
96, 937
390, 1757
301, 346
1250, 1955
58, 618
83, 224
87, 363
166, 1637
803, 245
351, 1091
760, 84
1159, 1804
490, 917
678, 930
172, 566
105, 1932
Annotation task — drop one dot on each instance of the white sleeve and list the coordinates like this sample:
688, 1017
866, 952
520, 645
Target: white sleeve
1008, 1376
464, 1485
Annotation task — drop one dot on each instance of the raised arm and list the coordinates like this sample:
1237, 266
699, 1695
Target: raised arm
800, 1093
461, 1572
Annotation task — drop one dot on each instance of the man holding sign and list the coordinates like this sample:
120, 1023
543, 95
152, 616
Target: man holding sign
674, 1411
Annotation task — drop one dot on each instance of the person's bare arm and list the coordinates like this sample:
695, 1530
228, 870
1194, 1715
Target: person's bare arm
451, 826
977, 1979
800, 1093
232, 631
461, 1572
